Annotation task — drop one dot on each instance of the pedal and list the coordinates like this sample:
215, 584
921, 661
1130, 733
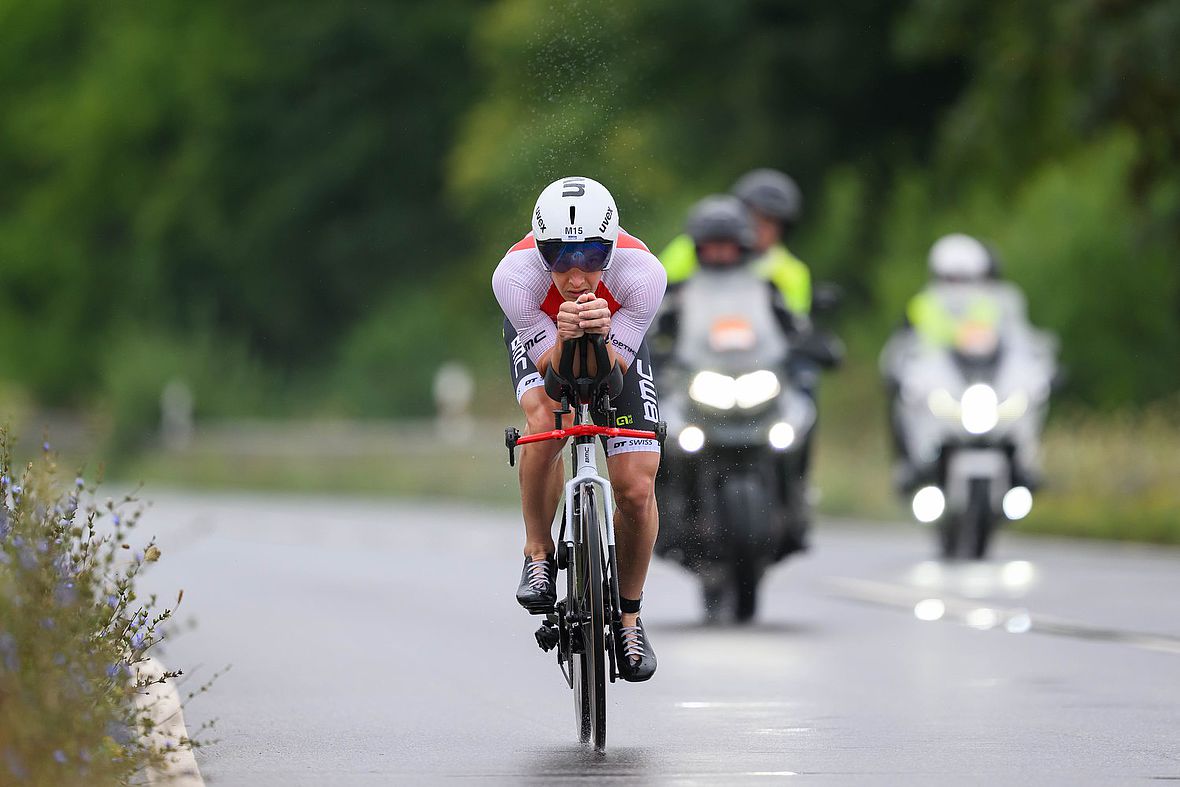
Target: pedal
547, 636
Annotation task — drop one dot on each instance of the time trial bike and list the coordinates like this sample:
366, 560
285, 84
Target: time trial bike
582, 626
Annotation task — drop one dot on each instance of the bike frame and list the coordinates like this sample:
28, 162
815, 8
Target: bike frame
585, 486
585, 463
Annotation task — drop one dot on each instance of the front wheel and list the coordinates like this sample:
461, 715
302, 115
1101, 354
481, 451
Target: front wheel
589, 610
967, 534
749, 525
979, 519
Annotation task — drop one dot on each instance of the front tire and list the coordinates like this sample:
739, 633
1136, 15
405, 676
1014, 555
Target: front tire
587, 587
748, 520
979, 520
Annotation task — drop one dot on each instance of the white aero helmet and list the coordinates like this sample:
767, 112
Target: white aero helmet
959, 257
575, 224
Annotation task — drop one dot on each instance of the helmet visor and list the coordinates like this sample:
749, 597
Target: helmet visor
560, 256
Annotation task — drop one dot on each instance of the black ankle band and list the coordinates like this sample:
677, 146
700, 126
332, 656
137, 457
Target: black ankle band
630, 606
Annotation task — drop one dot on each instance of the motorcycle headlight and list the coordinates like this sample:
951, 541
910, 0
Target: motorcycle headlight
981, 409
691, 439
756, 388
714, 390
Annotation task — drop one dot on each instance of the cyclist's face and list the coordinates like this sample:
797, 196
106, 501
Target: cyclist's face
575, 281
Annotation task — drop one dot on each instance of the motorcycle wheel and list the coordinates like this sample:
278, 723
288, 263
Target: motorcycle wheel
748, 525
948, 536
715, 598
967, 535
978, 520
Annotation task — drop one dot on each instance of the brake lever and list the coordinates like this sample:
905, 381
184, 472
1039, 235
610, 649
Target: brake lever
511, 436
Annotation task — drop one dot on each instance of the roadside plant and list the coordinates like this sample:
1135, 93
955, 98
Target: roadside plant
75, 638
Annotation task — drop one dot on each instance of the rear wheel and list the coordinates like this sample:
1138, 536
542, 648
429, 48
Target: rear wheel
587, 587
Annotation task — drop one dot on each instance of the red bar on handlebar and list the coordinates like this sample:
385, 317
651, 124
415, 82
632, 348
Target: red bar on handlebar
584, 430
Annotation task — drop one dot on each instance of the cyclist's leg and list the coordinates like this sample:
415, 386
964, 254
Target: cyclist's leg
637, 519
541, 472
542, 476
632, 465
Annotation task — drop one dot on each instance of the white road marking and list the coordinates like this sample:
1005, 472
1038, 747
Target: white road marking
1015, 620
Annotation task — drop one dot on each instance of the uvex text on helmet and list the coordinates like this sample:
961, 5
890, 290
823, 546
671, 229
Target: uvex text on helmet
771, 193
575, 210
720, 217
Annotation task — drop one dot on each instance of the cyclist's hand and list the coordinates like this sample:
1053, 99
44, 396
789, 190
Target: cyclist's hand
567, 321
593, 314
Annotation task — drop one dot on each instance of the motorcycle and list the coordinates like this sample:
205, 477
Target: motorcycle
731, 484
969, 419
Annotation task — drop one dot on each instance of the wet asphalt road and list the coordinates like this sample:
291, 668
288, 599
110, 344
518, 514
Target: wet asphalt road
377, 642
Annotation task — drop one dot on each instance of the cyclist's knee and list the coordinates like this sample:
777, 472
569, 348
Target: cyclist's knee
538, 410
635, 492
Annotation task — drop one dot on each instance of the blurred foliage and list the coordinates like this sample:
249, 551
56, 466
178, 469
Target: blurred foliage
75, 639
260, 174
297, 208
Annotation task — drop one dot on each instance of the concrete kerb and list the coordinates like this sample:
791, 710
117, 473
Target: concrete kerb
162, 700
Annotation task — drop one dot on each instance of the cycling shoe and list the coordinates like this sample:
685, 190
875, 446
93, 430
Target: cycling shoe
537, 592
634, 656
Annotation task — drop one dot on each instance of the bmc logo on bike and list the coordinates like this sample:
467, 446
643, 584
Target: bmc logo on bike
647, 390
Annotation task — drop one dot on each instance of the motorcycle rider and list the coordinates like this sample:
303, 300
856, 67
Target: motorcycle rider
724, 237
775, 204
964, 305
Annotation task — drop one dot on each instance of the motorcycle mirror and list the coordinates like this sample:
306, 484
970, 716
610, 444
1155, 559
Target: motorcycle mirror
826, 297
823, 348
1060, 379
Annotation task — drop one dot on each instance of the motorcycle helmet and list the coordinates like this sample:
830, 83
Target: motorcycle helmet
770, 193
721, 217
575, 224
959, 257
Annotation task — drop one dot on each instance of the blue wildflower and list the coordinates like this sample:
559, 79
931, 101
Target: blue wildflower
58, 754
119, 732
8, 651
115, 518
16, 490
78, 482
113, 671
112, 601
137, 640
14, 765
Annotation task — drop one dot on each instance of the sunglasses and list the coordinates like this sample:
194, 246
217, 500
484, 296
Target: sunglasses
589, 256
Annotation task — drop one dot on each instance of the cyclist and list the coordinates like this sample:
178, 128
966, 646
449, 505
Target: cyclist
577, 272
